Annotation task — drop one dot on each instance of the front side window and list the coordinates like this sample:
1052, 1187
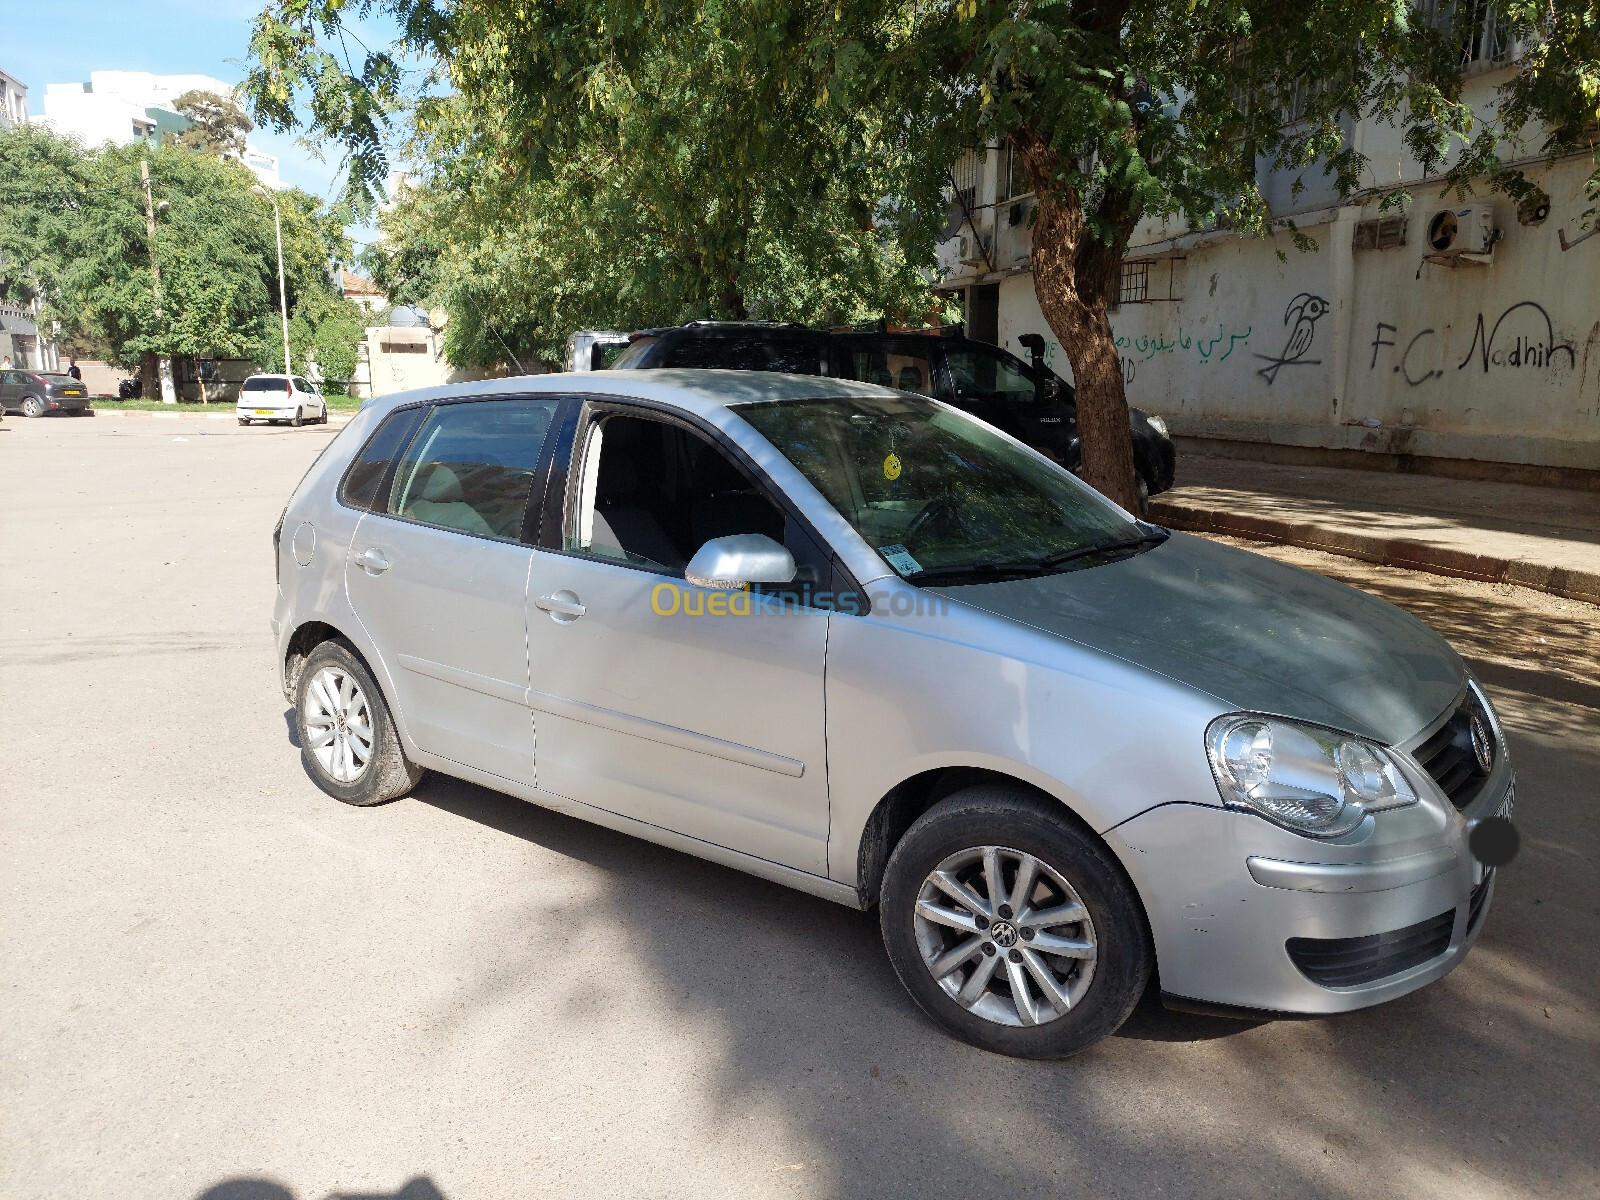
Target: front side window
471, 466
650, 493
980, 376
943, 497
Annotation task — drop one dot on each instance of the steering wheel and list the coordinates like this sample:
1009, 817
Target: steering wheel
939, 510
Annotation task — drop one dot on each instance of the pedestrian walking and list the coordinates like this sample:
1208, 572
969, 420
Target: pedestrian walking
73, 369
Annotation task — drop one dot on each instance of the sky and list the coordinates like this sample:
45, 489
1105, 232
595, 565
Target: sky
60, 41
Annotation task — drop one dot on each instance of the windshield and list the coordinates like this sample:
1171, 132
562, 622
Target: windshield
943, 496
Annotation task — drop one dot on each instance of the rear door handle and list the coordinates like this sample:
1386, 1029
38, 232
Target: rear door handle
372, 561
562, 606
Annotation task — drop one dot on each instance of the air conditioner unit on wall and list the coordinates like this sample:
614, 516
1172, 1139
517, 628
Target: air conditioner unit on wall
1466, 233
971, 252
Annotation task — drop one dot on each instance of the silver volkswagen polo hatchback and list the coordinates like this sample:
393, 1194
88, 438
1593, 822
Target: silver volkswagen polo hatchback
854, 641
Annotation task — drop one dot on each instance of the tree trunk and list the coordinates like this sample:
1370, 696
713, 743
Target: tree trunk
149, 377
1073, 278
200, 378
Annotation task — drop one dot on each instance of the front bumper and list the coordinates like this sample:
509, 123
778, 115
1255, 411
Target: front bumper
1246, 915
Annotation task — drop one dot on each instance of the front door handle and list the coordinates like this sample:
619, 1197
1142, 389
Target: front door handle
372, 561
562, 606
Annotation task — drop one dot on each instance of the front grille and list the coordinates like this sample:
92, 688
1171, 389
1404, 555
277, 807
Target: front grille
1449, 758
1475, 904
1347, 962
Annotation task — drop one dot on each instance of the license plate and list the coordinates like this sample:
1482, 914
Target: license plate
264, 412
72, 393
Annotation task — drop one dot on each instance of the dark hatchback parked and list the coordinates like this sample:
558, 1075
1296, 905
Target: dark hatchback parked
40, 393
1027, 400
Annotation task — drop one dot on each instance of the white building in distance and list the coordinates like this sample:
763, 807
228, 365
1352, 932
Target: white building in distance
125, 106
13, 101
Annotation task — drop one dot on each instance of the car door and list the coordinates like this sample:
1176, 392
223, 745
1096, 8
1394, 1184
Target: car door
995, 387
694, 710
10, 395
438, 577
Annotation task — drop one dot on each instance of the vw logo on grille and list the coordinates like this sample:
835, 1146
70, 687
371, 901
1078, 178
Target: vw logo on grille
1482, 743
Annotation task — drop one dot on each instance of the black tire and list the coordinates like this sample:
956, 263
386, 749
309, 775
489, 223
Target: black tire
997, 816
298, 419
244, 421
388, 774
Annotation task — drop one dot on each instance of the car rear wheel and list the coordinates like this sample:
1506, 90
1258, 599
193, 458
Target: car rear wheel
348, 741
244, 420
33, 407
1012, 927
298, 419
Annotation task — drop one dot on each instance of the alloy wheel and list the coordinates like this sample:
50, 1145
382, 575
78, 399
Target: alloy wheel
1005, 936
338, 724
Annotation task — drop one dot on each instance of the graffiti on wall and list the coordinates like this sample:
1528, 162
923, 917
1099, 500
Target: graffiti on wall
1205, 348
1303, 312
1529, 341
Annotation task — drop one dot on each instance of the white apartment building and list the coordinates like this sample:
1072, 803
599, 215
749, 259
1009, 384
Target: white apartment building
124, 106
13, 101
1444, 337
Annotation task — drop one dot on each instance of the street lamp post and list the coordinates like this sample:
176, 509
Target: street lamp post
169, 394
283, 297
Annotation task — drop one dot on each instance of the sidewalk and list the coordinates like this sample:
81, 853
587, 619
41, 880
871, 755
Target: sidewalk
1542, 538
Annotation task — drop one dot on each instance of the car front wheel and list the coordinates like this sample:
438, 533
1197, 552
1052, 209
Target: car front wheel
1013, 927
348, 741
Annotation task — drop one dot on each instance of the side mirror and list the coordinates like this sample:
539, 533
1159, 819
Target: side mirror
726, 563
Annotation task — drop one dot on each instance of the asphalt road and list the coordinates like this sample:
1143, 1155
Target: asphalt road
220, 982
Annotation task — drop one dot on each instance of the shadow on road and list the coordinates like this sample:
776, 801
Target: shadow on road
420, 1188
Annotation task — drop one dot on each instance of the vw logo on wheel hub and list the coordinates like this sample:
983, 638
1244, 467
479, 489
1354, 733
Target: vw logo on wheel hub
1004, 934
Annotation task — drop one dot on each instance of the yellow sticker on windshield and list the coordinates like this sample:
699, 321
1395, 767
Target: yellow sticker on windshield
891, 467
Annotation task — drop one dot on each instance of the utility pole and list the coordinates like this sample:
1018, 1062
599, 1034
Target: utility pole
169, 394
283, 295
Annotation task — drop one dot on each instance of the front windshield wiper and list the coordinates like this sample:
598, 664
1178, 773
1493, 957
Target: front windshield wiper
1105, 546
976, 570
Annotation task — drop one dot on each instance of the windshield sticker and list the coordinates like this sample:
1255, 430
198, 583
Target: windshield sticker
899, 558
891, 468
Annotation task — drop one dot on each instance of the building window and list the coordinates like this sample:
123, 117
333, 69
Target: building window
964, 178
1381, 233
1013, 174
1135, 283
1149, 280
1480, 30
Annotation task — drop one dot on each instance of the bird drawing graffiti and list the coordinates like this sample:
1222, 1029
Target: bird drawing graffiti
1303, 312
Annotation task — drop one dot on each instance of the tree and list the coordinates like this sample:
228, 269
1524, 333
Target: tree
531, 217
217, 124
74, 222
1119, 109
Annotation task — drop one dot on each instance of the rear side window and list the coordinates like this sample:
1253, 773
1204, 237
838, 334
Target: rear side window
471, 466
749, 353
365, 476
636, 350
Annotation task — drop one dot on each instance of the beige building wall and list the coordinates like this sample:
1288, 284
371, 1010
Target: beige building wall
1348, 347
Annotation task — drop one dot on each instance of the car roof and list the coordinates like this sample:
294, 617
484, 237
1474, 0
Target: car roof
699, 392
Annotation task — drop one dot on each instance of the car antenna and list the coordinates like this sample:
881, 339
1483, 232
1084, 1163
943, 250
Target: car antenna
467, 296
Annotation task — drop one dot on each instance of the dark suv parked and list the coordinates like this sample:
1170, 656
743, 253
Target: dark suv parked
1027, 400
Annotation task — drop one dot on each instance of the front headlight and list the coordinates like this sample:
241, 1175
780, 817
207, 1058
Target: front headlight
1307, 779
1158, 424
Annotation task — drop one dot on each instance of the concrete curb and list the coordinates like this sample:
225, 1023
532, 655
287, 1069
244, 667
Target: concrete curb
1377, 548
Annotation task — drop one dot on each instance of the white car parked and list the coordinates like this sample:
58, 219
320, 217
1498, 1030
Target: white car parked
290, 398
